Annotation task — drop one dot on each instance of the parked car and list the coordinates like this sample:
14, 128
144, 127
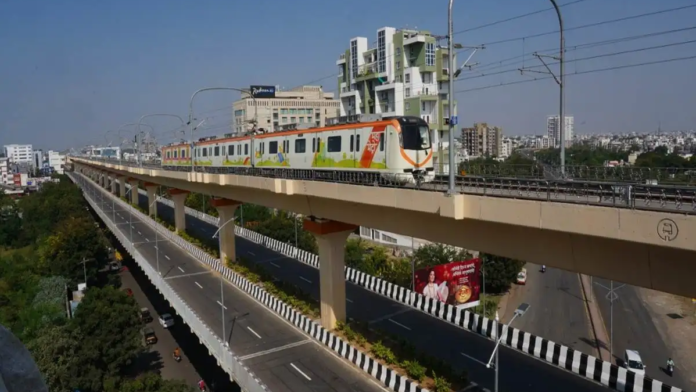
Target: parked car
522, 276
149, 336
166, 320
633, 362
145, 315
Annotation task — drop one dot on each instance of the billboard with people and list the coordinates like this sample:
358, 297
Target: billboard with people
456, 283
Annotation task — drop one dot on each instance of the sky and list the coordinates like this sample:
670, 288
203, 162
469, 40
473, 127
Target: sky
72, 70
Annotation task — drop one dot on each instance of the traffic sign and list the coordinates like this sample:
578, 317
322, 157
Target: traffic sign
454, 120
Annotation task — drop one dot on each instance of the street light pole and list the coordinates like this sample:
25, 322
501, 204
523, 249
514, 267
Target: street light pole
190, 115
157, 252
222, 297
140, 122
561, 83
450, 101
520, 311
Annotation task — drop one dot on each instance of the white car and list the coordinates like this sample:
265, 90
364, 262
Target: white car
522, 276
633, 362
166, 320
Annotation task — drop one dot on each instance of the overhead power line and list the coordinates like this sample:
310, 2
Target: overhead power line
585, 26
614, 68
515, 18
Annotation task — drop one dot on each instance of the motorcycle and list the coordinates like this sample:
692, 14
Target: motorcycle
670, 370
176, 357
543, 268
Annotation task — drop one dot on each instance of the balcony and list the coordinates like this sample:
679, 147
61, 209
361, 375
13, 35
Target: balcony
414, 39
367, 71
341, 59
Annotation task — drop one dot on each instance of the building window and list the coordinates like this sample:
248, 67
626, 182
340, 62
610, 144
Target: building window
407, 106
408, 92
354, 58
408, 78
398, 52
381, 51
275, 116
293, 120
430, 53
423, 106
398, 65
272, 147
285, 120
300, 145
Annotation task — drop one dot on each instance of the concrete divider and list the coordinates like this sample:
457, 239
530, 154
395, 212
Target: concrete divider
588, 366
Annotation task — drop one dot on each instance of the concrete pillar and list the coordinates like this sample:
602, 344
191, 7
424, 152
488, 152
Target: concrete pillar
179, 197
331, 238
122, 186
112, 180
226, 209
102, 179
133, 191
151, 198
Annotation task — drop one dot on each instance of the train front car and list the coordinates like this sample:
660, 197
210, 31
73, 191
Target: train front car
415, 154
176, 156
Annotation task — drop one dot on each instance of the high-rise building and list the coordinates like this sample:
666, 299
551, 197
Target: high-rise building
5, 173
405, 74
483, 140
19, 153
275, 108
554, 133
56, 161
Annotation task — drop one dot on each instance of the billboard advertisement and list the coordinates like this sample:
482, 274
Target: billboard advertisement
456, 283
262, 91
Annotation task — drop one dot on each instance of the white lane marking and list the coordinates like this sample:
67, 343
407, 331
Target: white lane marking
167, 257
349, 300
187, 275
300, 371
219, 303
254, 332
132, 227
147, 240
377, 320
474, 359
305, 279
251, 253
275, 350
198, 284
181, 269
140, 232
399, 324
275, 265
156, 247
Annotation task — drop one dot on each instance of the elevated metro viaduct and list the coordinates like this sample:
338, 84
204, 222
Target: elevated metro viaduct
656, 250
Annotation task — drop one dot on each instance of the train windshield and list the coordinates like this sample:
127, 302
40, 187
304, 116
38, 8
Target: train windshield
415, 136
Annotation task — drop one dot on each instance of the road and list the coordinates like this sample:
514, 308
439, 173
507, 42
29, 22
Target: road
554, 295
159, 358
281, 356
634, 329
518, 373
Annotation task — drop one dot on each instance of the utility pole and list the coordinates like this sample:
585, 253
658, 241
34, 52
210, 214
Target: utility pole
560, 80
611, 297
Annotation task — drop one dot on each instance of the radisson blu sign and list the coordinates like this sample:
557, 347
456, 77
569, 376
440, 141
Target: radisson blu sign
262, 91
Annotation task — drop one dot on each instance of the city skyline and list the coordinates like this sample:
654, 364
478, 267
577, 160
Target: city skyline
68, 87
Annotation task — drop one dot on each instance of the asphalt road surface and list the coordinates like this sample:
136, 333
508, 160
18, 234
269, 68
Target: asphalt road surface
634, 329
560, 313
464, 350
281, 356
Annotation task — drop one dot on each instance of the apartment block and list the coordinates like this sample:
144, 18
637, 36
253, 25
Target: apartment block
275, 108
19, 153
483, 140
554, 132
405, 73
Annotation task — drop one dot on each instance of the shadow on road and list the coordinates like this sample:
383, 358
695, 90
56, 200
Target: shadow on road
204, 363
148, 361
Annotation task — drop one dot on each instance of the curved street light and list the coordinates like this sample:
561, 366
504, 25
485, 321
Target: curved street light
135, 133
190, 115
140, 122
561, 84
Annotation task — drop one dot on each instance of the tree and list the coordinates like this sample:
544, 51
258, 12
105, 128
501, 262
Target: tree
500, 272
56, 351
109, 322
283, 229
73, 241
10, 222
149, 382
54, 203
253, 213
435, 254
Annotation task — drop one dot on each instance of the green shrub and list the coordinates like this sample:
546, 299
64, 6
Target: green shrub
415, 370
441, 384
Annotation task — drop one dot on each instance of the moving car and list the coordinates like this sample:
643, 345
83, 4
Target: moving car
522, 276
166, 320
633, 362
149, 336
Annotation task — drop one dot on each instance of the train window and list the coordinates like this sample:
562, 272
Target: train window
217, 151
300, 145
357, 142
183, 153
334, 144
205, 152
230, 150
352, 139
246, 148
381, 141
174, 153
272, 147
286, 146
210, 151
169, 155
314, 144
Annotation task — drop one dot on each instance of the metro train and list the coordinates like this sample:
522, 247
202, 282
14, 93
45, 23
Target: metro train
394, 148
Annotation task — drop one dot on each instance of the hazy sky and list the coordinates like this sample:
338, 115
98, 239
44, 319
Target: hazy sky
71, 70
